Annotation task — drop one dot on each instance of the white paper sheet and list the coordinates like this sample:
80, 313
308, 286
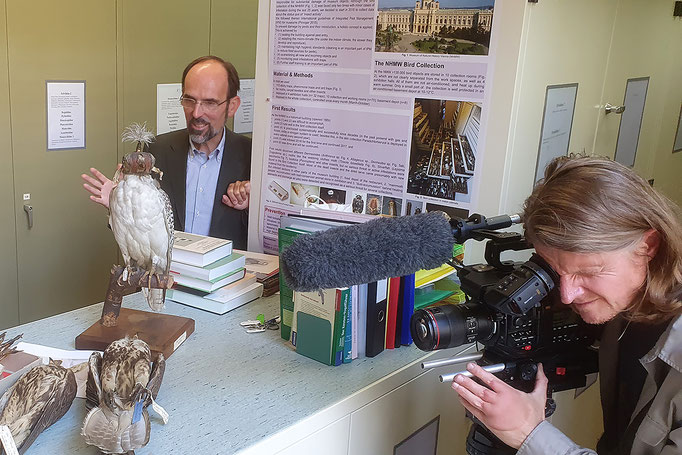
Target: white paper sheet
65, 115
68, 359
169, 113
243, 119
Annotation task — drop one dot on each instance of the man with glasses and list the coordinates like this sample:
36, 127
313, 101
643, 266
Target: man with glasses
206, 167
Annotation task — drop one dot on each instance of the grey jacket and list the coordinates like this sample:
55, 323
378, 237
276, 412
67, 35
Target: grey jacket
660, 432
170, 151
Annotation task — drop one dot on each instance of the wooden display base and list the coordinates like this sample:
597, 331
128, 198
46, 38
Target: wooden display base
162, 332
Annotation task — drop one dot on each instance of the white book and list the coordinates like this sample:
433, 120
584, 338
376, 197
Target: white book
224, 294
199, 250
262, 265
252, 292
212, 271
208, 286
362, 319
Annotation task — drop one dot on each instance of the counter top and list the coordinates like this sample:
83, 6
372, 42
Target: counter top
225, 390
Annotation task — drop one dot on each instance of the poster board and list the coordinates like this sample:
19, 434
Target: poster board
375, 110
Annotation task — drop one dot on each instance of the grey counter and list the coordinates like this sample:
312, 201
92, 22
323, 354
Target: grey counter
225, 390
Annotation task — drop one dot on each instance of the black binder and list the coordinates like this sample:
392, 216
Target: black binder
376, 318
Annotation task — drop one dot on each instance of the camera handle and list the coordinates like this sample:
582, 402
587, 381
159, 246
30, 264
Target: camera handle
461, 359
495, 368
480, 440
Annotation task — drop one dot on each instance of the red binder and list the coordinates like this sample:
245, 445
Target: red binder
391, 318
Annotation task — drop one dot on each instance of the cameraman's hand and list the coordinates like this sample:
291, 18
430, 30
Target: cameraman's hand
507, 412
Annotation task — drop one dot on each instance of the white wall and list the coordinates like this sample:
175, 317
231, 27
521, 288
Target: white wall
599, 45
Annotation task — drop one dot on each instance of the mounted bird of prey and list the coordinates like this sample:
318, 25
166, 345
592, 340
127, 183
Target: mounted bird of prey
37, 400
122, 382
140, 215
6, 347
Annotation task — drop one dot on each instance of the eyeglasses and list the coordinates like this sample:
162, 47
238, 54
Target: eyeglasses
207, 105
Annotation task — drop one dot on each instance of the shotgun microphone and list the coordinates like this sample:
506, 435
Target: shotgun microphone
367, 252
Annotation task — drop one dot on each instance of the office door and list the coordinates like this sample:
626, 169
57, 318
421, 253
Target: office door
64, 258
641, 63
9, 307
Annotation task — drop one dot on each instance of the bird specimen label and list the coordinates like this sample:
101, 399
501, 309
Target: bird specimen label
160, 411
8, 441
180, 340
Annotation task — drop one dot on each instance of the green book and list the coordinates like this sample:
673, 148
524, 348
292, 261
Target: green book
313, 337
342, 299
291, 227
315, 332
209, 286
286, 296
211, 271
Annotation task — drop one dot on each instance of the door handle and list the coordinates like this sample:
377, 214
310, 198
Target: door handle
609, 108
29, 212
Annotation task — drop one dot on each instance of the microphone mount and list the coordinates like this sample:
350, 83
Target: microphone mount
476, 225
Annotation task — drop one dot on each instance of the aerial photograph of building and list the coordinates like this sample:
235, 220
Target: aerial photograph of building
434, 27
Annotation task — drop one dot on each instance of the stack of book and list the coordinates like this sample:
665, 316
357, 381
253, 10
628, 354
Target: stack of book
266, 269
209, 275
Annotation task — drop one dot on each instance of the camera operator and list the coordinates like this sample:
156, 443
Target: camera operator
616, 245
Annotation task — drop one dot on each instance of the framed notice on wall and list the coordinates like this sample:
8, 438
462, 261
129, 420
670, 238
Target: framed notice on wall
65, 103
243, 118
557, 121
169, 113
677, 145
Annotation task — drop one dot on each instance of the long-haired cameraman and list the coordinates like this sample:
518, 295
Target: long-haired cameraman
616, 244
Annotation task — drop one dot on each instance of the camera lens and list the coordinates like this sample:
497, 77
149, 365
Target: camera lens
448, 326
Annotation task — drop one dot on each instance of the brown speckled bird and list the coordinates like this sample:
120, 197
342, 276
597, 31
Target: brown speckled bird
37, 400
6, 347
121, 384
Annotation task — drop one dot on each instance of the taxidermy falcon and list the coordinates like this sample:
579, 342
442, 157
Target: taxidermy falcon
37, 400
140, 215
6, 347
122, 382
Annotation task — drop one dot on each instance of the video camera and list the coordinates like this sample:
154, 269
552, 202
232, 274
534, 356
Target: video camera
514, 311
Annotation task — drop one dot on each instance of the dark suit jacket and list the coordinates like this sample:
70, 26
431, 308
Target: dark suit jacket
170, 151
